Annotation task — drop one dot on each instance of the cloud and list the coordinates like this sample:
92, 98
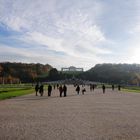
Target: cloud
63, 33
66, 30
73, 47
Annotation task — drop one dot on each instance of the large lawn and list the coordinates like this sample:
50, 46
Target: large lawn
132, 89
9, 91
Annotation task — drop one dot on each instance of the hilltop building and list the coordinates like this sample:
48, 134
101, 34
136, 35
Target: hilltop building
72, 69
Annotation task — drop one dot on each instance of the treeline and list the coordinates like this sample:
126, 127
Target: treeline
114, 73
107, 73
22, 72
104, 73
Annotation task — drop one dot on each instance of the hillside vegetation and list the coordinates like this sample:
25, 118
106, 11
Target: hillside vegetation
107, 73
22, 72
114, 73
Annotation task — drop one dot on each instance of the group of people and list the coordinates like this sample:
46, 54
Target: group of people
78, 89
40, 89
63, 89
113, 87
93, 86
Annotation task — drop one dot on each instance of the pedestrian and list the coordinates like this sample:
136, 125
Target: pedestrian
49, 90
65, 90
41, 90
78, 89
103, 87
36, 89
83, 91
90, 87
112, 87
119, 87
60, 90
93, 87
57, 86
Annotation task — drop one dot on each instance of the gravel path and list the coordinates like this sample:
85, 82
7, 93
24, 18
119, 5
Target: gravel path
93, 116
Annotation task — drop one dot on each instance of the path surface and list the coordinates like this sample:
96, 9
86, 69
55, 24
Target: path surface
93, 116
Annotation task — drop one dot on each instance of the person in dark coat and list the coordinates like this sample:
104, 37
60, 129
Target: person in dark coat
78, 89
36, 89
90, 87
93, 87
103, 87
41, 90
57, 86
60, 90
65, 90
112, 87
49, 90
83, 91
119, 87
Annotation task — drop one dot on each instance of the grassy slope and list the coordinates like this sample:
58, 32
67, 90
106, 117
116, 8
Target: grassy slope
6, 93
10, 91
131, 90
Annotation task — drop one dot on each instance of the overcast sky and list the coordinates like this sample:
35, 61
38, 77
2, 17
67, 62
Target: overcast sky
67, 33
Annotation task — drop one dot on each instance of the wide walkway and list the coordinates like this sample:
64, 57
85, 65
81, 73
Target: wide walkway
93, 116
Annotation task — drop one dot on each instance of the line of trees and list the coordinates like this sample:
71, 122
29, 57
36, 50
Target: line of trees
107, 73
114, 73
22, 72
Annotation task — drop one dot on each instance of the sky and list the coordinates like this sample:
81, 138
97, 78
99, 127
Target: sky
65, 33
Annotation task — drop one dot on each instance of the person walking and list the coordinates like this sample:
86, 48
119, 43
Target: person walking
36, 89
90, 87
103, 87
57, 86
93, 87
65, 90
112, 87
49, 90
78, 89
83, 90
60, 90
119, 87
41, 90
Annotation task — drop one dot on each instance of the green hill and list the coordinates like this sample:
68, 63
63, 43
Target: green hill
114, 73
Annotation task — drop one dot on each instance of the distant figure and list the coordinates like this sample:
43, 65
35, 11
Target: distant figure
65, 90
119, 87
60, 90
78, 89
93, 87
103, 87
49, 90
36, 89
41, 90
112, 87
83, 91
57, 86
90, 87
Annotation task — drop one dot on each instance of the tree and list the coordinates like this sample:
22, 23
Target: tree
53, 74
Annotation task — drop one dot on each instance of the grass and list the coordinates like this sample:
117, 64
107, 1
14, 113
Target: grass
7, 91
11, 94
10, 91
135, 89
131, 89
106, 85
